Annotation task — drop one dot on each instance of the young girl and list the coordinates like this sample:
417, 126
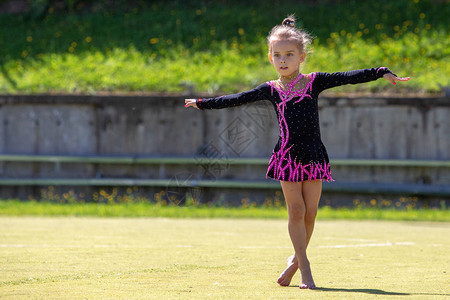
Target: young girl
299, 161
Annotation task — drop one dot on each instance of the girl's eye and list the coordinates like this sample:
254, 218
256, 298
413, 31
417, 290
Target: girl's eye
290, 54
277, 55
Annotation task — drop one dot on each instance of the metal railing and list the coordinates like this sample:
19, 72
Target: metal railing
343, 187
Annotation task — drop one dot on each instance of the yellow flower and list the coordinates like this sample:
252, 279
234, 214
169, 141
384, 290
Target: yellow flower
154, 41
29, 39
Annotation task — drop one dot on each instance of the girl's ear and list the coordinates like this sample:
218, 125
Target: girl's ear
302, 57
270, 58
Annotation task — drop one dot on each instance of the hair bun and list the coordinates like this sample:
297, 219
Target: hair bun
289, 22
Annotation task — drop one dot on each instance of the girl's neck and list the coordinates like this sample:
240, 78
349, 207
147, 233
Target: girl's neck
289, 78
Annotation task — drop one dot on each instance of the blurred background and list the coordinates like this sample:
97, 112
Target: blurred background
92, 94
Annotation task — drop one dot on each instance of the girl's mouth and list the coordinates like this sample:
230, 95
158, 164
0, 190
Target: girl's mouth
283, 68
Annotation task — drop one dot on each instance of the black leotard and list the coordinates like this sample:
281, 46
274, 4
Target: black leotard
299, 154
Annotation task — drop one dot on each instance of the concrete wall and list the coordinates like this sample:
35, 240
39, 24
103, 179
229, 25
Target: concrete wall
351, 128
379, 128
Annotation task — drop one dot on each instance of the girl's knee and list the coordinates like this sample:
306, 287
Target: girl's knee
296, 212
310, 215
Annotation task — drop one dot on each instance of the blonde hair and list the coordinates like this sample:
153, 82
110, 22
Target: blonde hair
287, 31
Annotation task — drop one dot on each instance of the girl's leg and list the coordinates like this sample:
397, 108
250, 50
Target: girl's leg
311, 195
310, 192
293, 195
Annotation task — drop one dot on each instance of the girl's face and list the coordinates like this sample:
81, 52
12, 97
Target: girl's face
286, 57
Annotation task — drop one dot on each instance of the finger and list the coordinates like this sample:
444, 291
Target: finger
188, 102
399, 79
402, 78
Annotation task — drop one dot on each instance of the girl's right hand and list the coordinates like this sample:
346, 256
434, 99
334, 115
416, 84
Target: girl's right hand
393, 78
190, 102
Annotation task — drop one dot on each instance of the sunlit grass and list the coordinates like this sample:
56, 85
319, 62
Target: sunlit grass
145, 209
125, 70
160, 258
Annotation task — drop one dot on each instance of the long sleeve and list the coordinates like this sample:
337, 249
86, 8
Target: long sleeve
325, 81
253, 95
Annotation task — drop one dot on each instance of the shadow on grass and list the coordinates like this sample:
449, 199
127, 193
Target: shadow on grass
366, 291
376, 292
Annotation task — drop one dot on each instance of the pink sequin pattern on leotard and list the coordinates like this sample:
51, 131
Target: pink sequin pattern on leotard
282, 161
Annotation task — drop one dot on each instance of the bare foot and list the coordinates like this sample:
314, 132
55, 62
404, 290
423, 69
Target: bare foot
307, 279
292, 267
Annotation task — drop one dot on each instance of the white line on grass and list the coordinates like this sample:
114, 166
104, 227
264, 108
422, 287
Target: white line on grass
264, 247
387, 244
60, 246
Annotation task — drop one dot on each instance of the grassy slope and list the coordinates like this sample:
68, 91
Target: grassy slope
218, 46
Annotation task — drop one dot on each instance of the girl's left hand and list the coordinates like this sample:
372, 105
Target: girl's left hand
392, 78
190, 102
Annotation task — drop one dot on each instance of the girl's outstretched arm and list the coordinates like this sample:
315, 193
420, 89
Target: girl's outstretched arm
393, 78
259, 93
190, 102
325, 81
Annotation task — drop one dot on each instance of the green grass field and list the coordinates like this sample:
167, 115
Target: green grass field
158, 258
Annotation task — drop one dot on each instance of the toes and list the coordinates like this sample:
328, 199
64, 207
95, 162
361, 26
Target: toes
306, 286
283, 282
